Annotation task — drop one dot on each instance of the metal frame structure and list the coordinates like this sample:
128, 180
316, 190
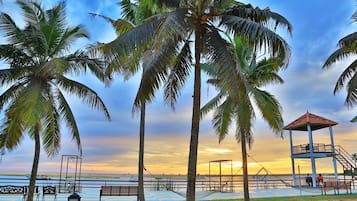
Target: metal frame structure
68, 184
229, 183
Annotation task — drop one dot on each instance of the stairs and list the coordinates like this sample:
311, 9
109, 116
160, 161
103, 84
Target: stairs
345, 159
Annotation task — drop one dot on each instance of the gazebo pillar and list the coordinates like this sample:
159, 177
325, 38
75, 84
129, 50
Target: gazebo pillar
311, 147
334, 154
291, 156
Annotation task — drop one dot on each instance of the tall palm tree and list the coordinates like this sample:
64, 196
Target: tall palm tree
194, 27
347, 48
39, 63
229, 107
134, 13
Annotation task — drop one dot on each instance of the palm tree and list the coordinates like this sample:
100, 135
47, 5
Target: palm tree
133, 15
195, 26
347, 48
229, 107
34, 101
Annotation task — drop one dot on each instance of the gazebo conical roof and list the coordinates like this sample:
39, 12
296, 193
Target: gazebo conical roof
316, 122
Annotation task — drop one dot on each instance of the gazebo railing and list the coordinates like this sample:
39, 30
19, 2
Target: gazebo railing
317, 148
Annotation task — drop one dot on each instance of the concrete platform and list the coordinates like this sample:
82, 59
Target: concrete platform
179, 196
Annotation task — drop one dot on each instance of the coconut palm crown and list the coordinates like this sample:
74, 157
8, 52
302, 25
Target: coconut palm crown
229, 106
37, 81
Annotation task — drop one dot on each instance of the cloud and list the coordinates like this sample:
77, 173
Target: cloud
112, 147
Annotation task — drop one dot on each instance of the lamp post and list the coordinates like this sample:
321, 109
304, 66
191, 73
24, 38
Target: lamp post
74, 197
354, 157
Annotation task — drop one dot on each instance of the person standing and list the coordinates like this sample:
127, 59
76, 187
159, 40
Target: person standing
308, 180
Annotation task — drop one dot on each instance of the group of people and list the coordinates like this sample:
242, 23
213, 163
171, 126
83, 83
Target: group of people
319, 180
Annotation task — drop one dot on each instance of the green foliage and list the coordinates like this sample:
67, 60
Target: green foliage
190, 32
238, 84
39, 63
252, 75
38, 66
348, 78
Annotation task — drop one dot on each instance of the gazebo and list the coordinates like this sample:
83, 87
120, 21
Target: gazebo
310, 122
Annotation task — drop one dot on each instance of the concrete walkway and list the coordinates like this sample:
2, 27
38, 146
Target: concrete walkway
179, 196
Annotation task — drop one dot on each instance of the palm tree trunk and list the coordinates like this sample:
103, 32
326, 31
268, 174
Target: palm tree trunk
36, 160
195, 125
245, 168
141, 196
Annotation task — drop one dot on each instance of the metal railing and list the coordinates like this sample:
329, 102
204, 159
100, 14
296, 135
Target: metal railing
317, 148
344, 158
175, 183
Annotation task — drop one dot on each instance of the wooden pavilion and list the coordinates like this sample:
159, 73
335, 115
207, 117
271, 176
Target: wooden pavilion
310, 122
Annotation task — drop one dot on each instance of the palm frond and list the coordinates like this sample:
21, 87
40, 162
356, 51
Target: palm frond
349, 40
155, 70
266, 72
8, 76
83, 92
65, 111
229, 75
12, 32
354, 119
106, 18
222, 118
12, 129
168, 3
31, 102
172, 27
269, 108
80, 61
32, 11
263, 16
55, 31
69, 36
178, 75
10, 94
262, 37
140, 36
351, 98
126, 65
128, 10
218, 6
348, 73
154, 74
340, 54
212, 104
51, 138
15, 57
209, 69
121, 26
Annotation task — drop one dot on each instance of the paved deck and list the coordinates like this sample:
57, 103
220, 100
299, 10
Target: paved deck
179, 196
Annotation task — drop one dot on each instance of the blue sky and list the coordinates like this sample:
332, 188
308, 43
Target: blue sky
113, 146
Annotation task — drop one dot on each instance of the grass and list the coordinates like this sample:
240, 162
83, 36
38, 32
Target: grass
307, 198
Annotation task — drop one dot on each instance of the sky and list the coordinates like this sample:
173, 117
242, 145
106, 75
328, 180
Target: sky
112, 147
